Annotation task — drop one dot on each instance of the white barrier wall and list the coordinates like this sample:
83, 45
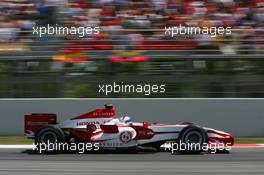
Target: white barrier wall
242, 117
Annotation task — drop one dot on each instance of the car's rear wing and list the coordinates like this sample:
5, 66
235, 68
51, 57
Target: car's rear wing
33, 122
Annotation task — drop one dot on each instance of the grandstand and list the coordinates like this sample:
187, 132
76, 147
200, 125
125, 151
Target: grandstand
131, 47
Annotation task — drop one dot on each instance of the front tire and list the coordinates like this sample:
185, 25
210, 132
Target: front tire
194, 138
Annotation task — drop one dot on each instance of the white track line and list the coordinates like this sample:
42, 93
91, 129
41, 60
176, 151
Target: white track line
168, 146
234, 146
249, 146
17, 146
103, 99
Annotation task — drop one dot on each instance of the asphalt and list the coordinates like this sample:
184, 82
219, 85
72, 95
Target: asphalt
248, 161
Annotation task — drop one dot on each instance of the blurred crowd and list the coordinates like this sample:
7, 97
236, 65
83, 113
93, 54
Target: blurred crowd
132, 22
129, 28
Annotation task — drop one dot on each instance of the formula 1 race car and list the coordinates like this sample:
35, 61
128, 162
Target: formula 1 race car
100, 126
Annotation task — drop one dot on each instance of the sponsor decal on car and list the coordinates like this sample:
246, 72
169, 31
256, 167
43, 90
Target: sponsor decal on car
30, 123
95, 114
126, 136
88, 123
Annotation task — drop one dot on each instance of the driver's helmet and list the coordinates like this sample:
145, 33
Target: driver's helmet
108, 106
126, 119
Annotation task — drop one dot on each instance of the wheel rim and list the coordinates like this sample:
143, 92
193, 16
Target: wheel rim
50, 137
193, 137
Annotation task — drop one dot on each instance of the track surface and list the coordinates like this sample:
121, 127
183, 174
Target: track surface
248, 161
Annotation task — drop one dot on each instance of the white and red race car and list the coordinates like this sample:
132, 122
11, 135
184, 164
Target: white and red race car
100, 126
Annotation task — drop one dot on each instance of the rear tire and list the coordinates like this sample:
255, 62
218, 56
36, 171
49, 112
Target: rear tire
48, 137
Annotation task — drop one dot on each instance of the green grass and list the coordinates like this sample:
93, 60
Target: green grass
249, 140
19, 140
5, 140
